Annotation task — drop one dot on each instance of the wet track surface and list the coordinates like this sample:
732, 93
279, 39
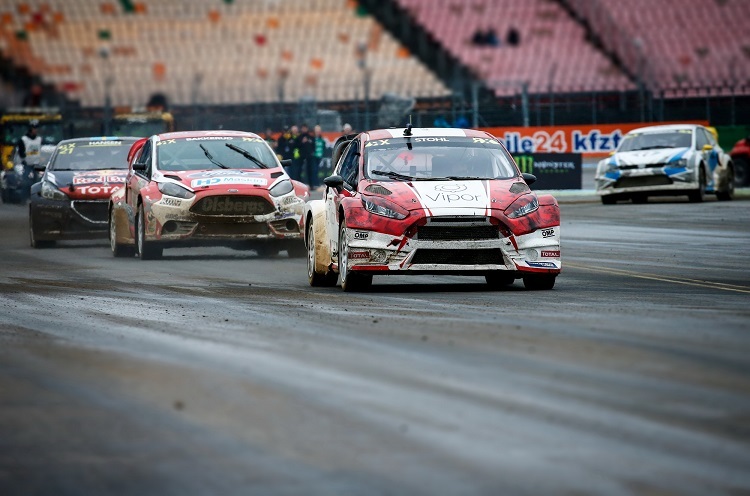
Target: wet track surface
214, 371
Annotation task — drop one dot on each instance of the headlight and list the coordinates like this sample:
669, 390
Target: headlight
50, 192
175, 190
522, 206
384, 208
682, 163
282, 188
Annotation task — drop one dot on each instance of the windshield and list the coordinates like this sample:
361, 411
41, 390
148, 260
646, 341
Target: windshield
92, 155
51, 132
212, 153
651, 141
403, 159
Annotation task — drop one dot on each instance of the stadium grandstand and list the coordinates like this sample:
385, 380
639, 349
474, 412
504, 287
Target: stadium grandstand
490, 62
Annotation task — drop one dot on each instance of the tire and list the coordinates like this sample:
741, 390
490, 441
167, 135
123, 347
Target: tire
499, 279
316, 279
699, 194
539, 282
296, 249
729, 193
118, 250
350, 281
609, 199
741, 172
145, 249
36, 243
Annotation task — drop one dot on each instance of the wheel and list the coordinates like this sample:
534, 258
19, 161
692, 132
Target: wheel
350, 281
609, 199
697, 195
728, 194
639, 199
741, 172
539, 282
327, 279
499, 279
118, 250
296, 249
145, 249
36, 243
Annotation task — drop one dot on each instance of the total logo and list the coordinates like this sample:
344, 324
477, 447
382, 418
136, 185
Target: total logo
95, 190
551, 253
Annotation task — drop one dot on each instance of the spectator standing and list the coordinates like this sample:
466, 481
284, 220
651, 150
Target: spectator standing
268, 137
306, 149
319, 150
295, 171
30, 151
347, 129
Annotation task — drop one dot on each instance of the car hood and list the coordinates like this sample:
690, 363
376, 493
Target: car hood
216, 180
88, 185
476, 196
647, 157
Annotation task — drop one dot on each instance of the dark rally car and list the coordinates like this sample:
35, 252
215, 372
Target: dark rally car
70, 201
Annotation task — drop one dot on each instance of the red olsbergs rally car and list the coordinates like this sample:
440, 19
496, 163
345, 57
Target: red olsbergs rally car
415, 201
206, 188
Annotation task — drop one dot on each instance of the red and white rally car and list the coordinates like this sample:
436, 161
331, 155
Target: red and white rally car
436, 201
206, 188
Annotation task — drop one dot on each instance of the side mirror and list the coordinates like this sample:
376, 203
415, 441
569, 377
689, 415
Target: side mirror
529, 178
707, 148
334, 181
286, 162
138, 166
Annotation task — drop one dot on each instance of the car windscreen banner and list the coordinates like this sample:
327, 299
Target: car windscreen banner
552, 170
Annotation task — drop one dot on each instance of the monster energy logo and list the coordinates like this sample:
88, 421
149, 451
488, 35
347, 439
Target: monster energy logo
525, 163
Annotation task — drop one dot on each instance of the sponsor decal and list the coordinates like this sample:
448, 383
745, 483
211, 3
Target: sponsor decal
98, 177
359, 255
215, 173
452, 194
224, 138
254, 140
430, 139
171, 202
544, 265
361, 235
166, 142
228, 205
95, 190
548, 233
551, 253
451, 188
104, 143
215, 181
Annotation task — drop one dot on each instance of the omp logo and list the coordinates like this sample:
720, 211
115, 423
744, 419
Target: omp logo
548, 233
450, 188
361, 235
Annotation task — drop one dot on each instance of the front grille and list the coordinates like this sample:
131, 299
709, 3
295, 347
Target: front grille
92, 210
232, 205
458, 257
210, 229
456, 233
634, 182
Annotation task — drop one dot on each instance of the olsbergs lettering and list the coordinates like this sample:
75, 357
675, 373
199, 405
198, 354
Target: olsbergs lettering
227, 205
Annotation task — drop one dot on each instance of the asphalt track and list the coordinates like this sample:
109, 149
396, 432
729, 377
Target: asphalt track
215, 371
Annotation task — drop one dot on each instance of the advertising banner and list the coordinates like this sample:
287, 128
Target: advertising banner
552, 170
590, 140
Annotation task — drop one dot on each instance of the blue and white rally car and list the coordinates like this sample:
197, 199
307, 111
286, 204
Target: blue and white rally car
682, 159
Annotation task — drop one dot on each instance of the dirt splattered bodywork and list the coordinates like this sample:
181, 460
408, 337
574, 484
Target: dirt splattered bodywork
183, 194
421, 218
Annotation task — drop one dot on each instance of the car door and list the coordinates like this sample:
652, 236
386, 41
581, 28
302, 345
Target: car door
348, 169
139, 177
